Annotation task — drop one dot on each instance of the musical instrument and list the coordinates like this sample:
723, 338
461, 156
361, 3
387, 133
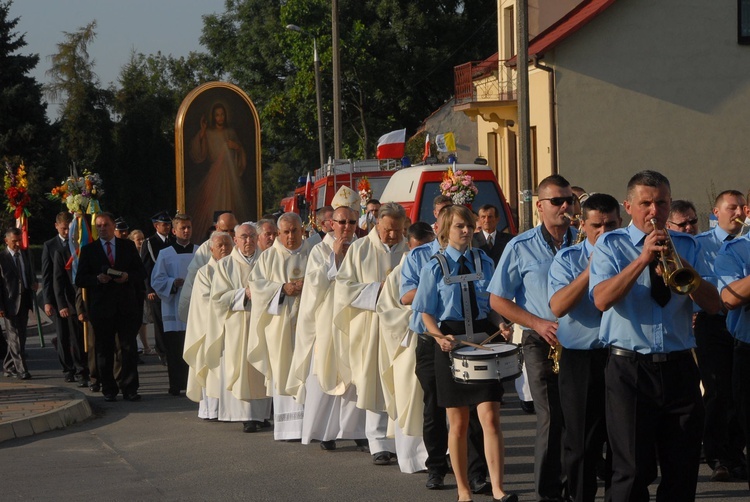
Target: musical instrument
744, 229
502, 361
555, 351
681, 280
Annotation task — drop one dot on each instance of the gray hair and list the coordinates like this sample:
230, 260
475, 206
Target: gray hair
291, 218
266, 221
392, 210
219, 235
248, 223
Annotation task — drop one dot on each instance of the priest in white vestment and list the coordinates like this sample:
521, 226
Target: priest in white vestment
242, 388
202, 327
167, 279
358, 284
315, 381
275, 285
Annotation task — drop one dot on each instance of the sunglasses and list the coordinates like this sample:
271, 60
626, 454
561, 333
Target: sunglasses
559, 201
692, 223
344, 222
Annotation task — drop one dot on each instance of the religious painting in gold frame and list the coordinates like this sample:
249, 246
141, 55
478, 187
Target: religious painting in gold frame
217, 149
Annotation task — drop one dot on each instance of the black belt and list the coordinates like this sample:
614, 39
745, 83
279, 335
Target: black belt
660, 357
741, 344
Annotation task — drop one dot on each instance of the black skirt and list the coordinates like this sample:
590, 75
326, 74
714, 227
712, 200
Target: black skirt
452, 394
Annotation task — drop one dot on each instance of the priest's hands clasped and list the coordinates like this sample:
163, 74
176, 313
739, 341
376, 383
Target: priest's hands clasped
293, 288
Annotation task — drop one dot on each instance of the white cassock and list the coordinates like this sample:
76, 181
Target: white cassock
330, 405
202, 325
200, 258
169, 266
402, 390
241, 390
366, 265
273, 321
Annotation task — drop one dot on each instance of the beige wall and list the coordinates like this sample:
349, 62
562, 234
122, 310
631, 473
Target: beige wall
656, 85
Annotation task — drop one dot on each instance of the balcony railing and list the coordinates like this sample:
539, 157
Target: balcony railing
488, 80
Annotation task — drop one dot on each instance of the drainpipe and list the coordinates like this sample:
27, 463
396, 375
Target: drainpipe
552, 108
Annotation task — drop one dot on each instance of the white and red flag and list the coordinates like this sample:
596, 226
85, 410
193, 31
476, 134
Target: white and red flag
426, 147
391, 145
308, 188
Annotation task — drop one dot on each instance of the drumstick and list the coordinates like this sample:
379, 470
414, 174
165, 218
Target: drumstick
488, 339
460, 342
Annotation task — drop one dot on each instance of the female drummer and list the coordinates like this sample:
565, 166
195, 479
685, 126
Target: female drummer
441, 306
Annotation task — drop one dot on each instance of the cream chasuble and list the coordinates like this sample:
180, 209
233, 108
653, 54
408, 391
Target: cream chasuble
228, 293
402, 391
366, 263
270, 350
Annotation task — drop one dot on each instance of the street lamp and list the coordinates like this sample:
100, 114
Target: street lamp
316, 60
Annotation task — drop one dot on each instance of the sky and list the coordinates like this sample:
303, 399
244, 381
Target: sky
146, 26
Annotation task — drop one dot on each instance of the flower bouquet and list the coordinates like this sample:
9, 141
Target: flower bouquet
459, 186
17, 192
79, 194
365, 191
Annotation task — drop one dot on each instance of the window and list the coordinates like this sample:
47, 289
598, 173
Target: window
743, 22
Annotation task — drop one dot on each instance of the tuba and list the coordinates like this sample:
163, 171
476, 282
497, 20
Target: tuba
681, 280
744, 229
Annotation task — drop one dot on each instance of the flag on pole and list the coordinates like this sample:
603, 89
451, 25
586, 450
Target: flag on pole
391, 145
440, 143
450, 142
426, 147
308, 188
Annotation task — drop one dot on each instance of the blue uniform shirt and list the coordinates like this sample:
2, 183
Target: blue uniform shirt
637, 322
710, 242
522, 272
732, 264
415, 260
443, 301
579, 328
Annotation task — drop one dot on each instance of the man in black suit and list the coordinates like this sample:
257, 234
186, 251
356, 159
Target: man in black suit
161, 239
488, 238
65, 340
109, 268
17, 286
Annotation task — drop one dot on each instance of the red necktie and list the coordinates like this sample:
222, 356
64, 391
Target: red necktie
109, 254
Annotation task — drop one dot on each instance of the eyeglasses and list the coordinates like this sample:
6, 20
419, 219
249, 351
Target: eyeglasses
344, 222
559, 201
685, 223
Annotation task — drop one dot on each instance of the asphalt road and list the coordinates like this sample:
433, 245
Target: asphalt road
158, 449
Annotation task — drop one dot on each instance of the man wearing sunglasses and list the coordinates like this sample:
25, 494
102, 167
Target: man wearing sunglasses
521, 275
683, 217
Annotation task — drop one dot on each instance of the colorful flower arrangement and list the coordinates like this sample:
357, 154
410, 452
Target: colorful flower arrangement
79, 194
16, 190
365, 191
458, 186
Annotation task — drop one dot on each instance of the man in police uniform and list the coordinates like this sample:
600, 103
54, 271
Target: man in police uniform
161, 239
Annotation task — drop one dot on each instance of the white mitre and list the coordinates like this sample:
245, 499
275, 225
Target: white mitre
346, 197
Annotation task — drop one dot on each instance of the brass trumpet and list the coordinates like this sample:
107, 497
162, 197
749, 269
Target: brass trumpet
680, 279
744, 229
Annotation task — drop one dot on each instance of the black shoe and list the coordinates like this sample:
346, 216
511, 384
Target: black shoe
265, 424
132, 397
435, 481
174, 392
382, 458
24, 376
10, 374
362, 445
251, 426
110, 398
478, 485
70, 377
528, 407
83, 383
508, 497
328, 445
721, 473
95, 387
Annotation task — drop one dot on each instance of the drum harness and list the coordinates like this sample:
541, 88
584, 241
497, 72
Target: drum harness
465, 281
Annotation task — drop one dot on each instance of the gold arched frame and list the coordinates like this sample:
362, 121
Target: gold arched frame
181, 141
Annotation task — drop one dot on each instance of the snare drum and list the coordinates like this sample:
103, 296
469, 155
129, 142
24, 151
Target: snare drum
471, 365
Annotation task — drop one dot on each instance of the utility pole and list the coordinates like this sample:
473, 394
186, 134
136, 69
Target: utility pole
336, 80
526, 209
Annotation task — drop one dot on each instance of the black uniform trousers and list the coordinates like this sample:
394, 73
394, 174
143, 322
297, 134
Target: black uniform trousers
653, 409
741, 388
177, 368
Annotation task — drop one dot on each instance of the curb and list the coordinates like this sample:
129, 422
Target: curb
76, 410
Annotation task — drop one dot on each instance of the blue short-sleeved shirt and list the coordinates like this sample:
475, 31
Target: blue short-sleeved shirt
579, 328
733, 264
415, 260
637, 322
443, 301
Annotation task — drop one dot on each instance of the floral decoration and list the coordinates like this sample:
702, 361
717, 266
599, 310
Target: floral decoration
365, 191
459, 186
79, 194
16, 190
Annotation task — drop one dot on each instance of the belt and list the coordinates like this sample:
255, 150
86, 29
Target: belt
659, 357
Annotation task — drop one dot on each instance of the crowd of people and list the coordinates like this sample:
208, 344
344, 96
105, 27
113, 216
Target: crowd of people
349, 333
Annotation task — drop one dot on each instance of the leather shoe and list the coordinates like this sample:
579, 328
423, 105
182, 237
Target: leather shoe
132, 397
95, 387
24, 376
382, 458
362, 445
70, 377
251, 426
435, 481
721, 473
83, 383
528, 407
508, 497
265, 424
478, 485
110, 398
328, 445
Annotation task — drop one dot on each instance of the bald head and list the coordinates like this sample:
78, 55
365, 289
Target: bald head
226, 223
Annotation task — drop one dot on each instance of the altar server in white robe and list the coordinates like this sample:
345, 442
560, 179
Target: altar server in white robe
167, 279
242, 389
275, 285
202, 325
224, 223
330, 405
358, 283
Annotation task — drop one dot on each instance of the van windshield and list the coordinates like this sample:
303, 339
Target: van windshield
487, 195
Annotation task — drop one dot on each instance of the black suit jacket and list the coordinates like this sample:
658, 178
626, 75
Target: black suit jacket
62, 282
49, 249
11, 285
110, 299
501, 239
150, 252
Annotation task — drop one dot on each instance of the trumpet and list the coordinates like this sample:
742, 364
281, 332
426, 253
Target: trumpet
555, 351
744, 229
680, 279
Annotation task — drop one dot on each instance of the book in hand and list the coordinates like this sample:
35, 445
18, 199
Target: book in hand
115, 274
